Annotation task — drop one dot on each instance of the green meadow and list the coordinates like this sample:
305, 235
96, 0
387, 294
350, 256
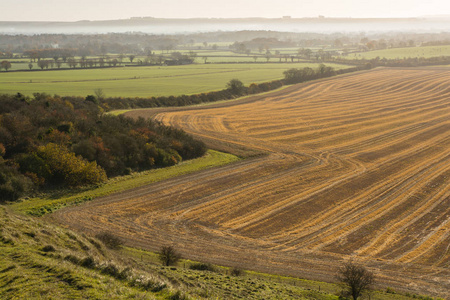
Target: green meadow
144, 81
428, 51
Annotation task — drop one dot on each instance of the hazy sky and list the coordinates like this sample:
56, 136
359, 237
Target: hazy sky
75, 10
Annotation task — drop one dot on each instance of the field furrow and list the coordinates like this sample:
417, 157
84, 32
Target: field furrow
356, 166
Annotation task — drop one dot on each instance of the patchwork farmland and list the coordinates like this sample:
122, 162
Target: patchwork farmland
351, 167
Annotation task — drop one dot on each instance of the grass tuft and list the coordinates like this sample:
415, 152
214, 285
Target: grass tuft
110, 240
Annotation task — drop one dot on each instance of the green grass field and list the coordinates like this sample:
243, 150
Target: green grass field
144, 81
428, 51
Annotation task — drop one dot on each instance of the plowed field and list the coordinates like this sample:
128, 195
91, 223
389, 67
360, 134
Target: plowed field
356, 167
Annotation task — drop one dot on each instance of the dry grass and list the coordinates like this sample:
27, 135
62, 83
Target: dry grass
358, 167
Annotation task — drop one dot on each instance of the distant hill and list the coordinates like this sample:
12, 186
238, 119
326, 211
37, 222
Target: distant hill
288, 24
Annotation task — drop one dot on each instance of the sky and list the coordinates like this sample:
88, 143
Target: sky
70, 10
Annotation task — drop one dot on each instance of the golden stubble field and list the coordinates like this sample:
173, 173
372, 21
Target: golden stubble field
355, 167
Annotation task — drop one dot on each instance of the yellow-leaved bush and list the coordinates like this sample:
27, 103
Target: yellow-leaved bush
71, 169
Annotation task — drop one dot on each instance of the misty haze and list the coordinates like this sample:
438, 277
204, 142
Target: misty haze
180, 26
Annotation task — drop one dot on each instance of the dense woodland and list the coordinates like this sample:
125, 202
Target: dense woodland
50, 142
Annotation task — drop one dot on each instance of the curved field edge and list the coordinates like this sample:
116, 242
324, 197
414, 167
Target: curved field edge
357, 168
156, 110
42, 205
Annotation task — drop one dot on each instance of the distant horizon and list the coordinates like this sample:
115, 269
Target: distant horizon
105, 10
232, 18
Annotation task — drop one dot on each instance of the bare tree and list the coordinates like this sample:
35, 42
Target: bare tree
356, 278
168, 256
99, 93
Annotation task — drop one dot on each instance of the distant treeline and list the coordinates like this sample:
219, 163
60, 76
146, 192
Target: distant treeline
49, 142
142, 44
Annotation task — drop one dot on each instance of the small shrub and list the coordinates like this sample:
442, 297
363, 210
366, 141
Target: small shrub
168, 256
202, 267
30, 234
110, 269
236, 272
72, 258
114, 271
390, 291
109, 240
88, 262
178, 296
48, 248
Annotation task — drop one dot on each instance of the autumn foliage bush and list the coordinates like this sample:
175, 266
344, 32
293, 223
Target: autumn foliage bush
48, 141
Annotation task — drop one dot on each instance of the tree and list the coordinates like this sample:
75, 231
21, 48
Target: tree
13, 185
42, 64
67, 167
168, 256
5, 65
99, 93
72, 63
357, 279
235, 86
131, 57
30, 65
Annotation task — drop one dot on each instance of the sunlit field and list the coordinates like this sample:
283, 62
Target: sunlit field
395, 53
356, 166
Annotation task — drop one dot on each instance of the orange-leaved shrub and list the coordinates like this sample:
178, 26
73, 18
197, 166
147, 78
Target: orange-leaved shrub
71, 169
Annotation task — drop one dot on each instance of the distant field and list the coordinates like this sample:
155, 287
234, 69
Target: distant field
429, 51
143, 81
357, 167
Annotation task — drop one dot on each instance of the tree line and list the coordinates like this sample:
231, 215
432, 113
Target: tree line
48, 142
235, 88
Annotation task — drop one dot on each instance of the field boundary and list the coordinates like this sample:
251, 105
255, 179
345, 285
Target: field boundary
40, 206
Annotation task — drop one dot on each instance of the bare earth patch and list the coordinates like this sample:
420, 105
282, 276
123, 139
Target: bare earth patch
357, 167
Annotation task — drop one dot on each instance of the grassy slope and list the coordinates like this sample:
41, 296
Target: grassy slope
143, 81
48, 203
29, 271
